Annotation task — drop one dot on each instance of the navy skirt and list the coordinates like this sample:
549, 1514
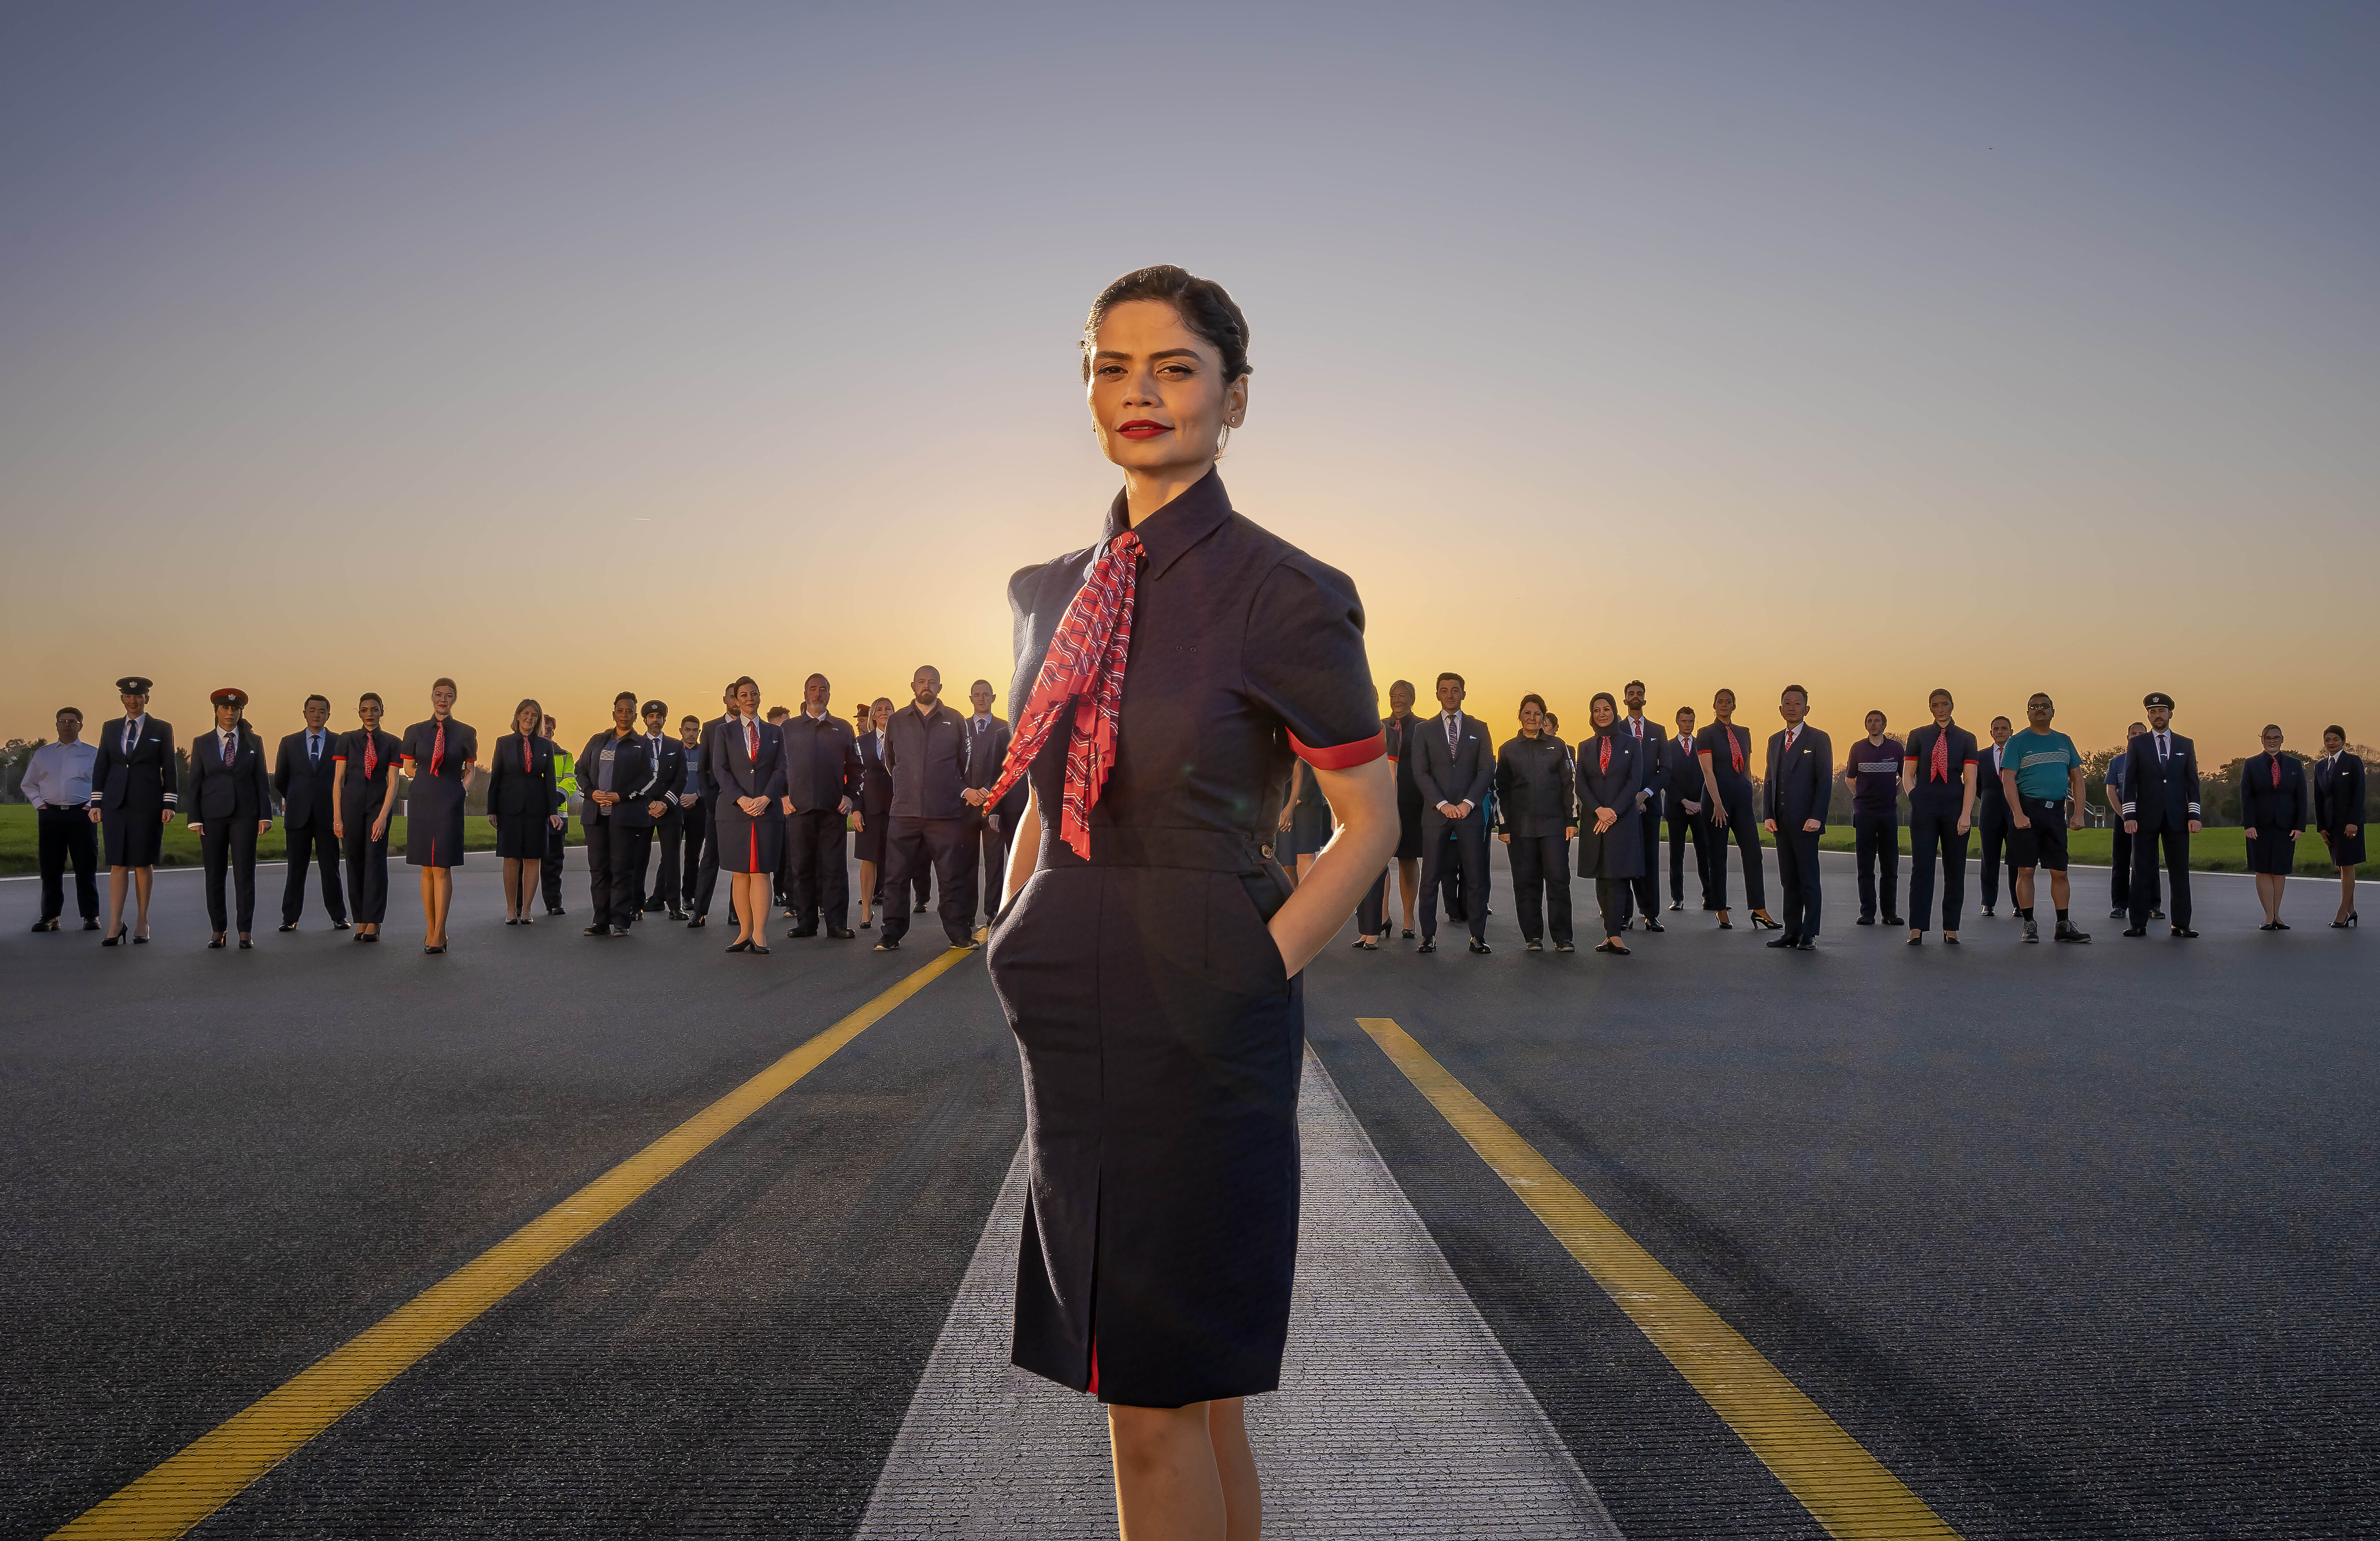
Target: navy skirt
2272, 850
132, 838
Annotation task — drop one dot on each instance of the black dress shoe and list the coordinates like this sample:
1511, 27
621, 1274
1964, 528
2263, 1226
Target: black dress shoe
1865, 921
2116, 913
50, 925
1807, 944
555, 909
697, 923
2156, 915
1481, 947
1527, 946
676, 914
289, 925
619, 930
341, 926
1408, 936
803, 932
89, 925
245, 944
889, 945
1612, 945
1653, 924
1678, 904
841, 933
2186, 934
1565, 947
1783, 941
739, 947
215, 943
1427, 945
595, 931
921, 907
2136, 930
1895, 921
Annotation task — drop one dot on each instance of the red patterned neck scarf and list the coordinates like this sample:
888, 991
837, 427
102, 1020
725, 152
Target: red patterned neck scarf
438, 750
1941, 757
1083, 667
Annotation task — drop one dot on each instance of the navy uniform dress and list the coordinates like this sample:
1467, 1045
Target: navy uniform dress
133, 786
1310, 825
2339, 802
371, 760
749, 760
1615, 858
433, 804
1161, 1037
522, 794
2274, 803
1724, 743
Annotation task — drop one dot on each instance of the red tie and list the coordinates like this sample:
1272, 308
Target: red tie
1941, 758
524, 765
1603, 757
1083, 667
751, 740
1734, 751
2277, 773
438, 750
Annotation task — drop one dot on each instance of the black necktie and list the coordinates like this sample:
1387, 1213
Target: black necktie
314, 748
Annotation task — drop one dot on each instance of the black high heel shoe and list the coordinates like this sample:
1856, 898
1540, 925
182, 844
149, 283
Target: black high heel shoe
1761, 921
2346, 924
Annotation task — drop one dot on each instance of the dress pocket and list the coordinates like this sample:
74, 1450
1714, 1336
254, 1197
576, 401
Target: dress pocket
1241, 953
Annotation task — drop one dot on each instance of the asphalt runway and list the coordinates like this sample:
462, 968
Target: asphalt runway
2074, 1241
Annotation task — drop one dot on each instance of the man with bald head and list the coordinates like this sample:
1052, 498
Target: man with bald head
823, 776
988, 738
925, 749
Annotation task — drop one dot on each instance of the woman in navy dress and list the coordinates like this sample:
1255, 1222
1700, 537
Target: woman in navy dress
1612, 770
2338, 814
525, 806
748, 765
875, 806
439, 754
132, 797
2274, 808
363, 788
1147, 951
1304, 820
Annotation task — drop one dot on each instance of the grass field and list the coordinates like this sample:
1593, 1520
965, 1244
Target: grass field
21, 853
2210, 850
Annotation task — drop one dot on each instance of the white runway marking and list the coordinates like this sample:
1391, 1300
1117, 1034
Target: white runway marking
1398, 1414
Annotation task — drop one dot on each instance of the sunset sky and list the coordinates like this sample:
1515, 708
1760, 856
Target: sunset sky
569, 349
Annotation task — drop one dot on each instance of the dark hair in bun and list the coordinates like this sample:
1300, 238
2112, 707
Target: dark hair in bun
1203, 305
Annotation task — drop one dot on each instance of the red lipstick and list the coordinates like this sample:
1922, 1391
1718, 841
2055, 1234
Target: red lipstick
1141, 428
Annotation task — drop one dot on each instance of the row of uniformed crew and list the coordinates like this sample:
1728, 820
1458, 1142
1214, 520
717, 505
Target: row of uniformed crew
768, 800
2022, 791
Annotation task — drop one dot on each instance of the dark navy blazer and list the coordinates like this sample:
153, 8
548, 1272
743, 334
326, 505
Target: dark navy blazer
2161, 794
1801, 784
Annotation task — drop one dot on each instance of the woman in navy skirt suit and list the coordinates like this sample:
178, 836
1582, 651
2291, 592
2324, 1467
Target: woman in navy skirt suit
2274, 808
525, 806
439, 754
2338, 814
364, 794
1147, 953
132, 797
1611, 771
747, 765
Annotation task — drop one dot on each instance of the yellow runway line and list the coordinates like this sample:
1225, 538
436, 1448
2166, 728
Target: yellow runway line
213, 1469
1845, 1489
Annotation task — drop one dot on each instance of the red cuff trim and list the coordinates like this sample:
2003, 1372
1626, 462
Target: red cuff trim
1342, 756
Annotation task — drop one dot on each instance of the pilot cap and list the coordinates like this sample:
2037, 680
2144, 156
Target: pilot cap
230, 698
652, 707
2157, 698
132, 684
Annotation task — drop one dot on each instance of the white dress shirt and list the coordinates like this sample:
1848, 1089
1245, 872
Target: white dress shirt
59, 776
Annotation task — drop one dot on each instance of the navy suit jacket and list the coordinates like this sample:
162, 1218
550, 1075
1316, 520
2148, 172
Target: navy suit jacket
141, 782
1462, 777
240, 790
734, 773
305, 788
2262, 804
1682, 771
1801, 787
2161, 794
1656, 762
1989, 792
875, 781
2339, 793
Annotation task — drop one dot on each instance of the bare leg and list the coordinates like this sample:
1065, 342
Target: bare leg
442, 880
1168, 1487
429, 907
141, 878
867, 888
1409, 884
2021, 890
752, 906
1236, 1465
115, 886
2346, 892
2058, 891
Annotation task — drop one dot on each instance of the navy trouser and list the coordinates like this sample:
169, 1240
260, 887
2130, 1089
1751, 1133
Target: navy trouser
1877, 838
1646, 888
1371, 911
817, 879
1997, 857
947, 847
1684, 826
2120, 873
1541, 884
68, 833
1935, 834
312, 844
229, 841
1467, 838
1741, 824
700, 885
2176, 842
550, 869
669, 834
1797, 870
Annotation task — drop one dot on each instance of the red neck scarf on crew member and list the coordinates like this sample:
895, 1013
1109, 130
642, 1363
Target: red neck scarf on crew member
1084, 668
438, 750
371, 754
1941, 755
1734, 750
1603, 756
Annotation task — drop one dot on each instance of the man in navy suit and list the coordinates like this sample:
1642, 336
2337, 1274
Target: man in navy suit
1643, 891
2120, 879
303, 775
821, 788
1453, 765
2160, 806
1682, 780
1794, 802
1992, 815
986, 751
231, 804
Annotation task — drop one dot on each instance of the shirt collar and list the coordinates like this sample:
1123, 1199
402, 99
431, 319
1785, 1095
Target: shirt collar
1180, 524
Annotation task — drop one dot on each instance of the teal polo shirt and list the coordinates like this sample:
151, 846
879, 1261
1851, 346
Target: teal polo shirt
2041, 761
